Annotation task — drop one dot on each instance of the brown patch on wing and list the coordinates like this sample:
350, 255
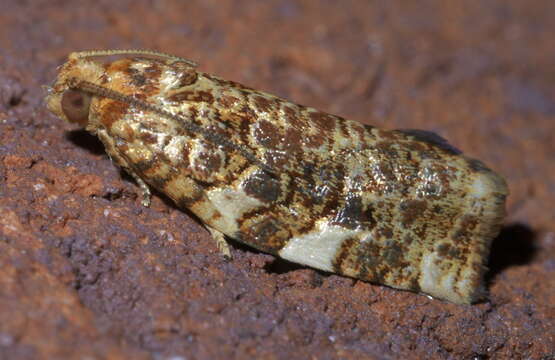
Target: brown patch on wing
192, 95
146, 167
355, 215
111, 112
411, 210
187, 201
393, 255
315, 140
464, 231
267, 134
228, 101
324, 121
269, 234
262, 187
293, 117
386, 232
262, 103
148, 137
344, 251
121, 65
293, 140
207, 164
153, 72
137, 78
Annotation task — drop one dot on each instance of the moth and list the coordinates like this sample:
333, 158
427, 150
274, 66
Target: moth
401, 208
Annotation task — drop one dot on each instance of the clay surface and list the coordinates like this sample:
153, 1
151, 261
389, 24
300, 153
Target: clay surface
87, 272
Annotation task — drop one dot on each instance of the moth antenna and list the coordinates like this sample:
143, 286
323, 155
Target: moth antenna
93, 53
192, 127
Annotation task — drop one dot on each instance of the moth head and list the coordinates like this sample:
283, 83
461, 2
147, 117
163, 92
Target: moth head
65, 98
69, 103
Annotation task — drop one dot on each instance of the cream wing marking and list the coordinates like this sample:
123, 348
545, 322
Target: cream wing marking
318, 248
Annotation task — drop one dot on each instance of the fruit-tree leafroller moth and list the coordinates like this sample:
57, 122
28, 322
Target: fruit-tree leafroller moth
396, 207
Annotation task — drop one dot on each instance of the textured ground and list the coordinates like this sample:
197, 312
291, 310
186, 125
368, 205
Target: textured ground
86, 271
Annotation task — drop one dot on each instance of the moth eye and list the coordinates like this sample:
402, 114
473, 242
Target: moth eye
75, 105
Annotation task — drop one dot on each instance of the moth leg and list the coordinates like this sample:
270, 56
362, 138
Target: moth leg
115, 156
145, 190
221, 242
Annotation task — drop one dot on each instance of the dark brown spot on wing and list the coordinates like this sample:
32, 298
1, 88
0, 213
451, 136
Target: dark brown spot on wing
148, 137
267, 134
324, 121
269, 235
145, 82
262, 103
354, 214
262, 187
121, 65
191, 95
142, 166
386, 232
411, 210
137, 78
206, 164
344, 251
293, 140
158, 182
186, 201
388, 148
227, 101
294, 117
415, 146
153, 72
393, 255
315, 140
443, 249
361, 131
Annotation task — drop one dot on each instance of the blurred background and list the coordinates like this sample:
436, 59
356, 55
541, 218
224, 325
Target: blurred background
85, 271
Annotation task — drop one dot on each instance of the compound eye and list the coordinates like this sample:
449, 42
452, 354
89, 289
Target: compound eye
75, 105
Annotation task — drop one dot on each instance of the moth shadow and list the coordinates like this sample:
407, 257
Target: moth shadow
85, 140
282, 266
513, 246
